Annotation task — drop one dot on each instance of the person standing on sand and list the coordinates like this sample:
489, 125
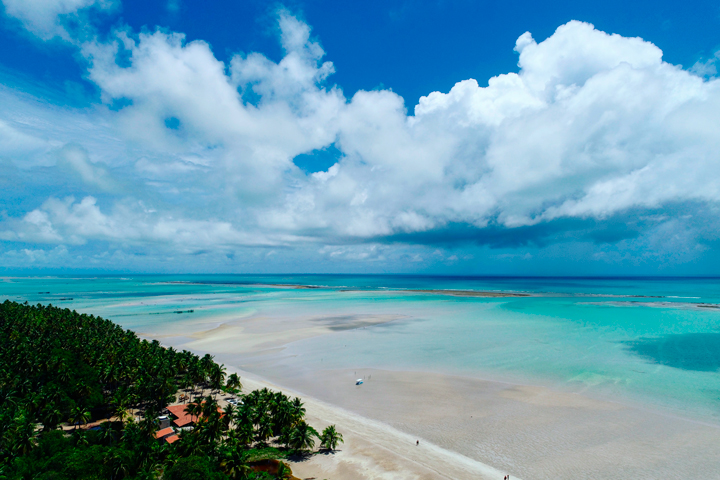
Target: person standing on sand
417, 443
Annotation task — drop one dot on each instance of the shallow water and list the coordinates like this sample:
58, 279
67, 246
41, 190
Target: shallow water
640, 340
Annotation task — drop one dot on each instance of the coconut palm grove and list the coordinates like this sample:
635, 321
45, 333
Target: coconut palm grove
83, 398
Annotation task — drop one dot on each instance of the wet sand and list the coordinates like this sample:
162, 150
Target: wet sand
261, 335
530, 432
374, 450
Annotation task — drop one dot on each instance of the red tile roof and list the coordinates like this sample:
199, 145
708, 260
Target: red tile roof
164, 432
172, 439
183, 418
183, 421
177, 410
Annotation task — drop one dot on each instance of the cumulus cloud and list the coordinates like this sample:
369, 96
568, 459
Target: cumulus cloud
251, 145
55, 18
592, 129
69, 221
592, 125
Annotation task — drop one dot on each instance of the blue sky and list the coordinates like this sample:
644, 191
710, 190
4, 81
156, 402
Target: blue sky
543, 138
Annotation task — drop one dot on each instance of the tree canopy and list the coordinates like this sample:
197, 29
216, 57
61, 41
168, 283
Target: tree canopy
61, 370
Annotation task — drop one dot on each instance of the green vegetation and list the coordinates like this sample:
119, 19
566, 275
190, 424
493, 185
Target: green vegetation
60, 371
330, 438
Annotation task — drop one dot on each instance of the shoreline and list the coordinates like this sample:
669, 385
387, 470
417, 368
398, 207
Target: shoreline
531, 432
373, 449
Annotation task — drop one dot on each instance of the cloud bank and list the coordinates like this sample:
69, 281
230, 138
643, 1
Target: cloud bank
594, 139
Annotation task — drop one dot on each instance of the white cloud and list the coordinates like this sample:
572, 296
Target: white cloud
14, 142
28, 257
593, 124
51, 18
68, 221
250, 145
76, 157
364, 253
707, 68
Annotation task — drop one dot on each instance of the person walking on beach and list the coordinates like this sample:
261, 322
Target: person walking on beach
417, 443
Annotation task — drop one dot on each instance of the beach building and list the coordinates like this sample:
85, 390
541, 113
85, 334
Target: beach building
180, 418
165, 433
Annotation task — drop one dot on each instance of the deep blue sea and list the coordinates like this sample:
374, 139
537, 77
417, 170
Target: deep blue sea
648, 341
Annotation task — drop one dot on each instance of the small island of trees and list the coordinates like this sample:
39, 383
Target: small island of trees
83, 398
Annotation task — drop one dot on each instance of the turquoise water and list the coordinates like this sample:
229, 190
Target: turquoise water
642, 340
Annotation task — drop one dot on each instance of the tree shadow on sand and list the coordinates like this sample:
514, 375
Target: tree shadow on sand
299, 457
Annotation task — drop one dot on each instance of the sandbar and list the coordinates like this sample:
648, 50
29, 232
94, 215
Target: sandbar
471, 293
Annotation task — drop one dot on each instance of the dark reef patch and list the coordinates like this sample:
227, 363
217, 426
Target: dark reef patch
687, 351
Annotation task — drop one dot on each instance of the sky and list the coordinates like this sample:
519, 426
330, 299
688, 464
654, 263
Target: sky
437, 137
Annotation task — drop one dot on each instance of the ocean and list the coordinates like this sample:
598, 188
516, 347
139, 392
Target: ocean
653, 342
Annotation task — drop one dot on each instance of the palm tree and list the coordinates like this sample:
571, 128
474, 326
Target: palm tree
186, 383
330, 438
123, 414
228, 415
244, 433
107, 433
80, 438
264, 430
24, 430
302, 437
233, 383
217, 376
214, 426
79, 415
298, 409
194, 409
283, 417
52, 416
119, 463
233, 462
209, 406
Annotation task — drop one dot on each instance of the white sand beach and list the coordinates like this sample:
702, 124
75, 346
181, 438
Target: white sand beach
530, 432
373, 449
